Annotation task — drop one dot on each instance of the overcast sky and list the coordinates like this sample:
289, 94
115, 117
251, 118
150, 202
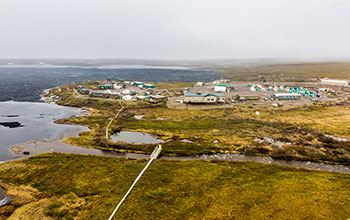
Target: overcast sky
174, 29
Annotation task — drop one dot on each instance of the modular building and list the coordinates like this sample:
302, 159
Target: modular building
148, 86
286, 96
104, 95
137, 84
220, 88
221, 81
204, 98
248, 97
157, 98
84, 91
106, 87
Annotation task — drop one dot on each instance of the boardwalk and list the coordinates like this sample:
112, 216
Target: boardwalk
116, 116
4, 200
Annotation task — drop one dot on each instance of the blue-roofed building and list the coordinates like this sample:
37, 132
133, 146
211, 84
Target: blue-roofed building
204, 98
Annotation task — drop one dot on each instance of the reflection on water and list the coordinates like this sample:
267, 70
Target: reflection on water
132, 137
28, 121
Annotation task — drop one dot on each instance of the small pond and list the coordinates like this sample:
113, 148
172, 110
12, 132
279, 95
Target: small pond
132, 137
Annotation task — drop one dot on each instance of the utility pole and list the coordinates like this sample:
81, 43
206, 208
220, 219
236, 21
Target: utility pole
153, 156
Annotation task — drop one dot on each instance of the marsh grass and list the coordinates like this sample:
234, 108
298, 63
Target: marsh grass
231, 130
88, 187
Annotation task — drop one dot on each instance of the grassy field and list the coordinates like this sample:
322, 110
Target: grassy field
57, 186
299, 72
235, 130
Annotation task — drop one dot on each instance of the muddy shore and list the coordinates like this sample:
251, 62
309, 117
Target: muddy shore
57, 146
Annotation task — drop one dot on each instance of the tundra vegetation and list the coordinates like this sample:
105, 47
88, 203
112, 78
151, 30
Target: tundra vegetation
295, 72
307, 132
59, 186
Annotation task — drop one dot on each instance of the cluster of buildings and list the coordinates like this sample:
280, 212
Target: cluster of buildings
125, 90
218, 92
281, 89
82, 90
224, 91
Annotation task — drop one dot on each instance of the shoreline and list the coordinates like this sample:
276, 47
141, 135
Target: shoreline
37, 147
37, 127
57, 146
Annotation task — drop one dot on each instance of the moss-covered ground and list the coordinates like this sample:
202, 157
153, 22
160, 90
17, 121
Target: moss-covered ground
302, 131
57, 186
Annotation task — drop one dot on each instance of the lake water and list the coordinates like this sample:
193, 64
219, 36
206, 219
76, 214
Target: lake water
26, 83
37, 123
131, 137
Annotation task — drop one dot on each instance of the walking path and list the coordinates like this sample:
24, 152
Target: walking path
116, 116
4, 200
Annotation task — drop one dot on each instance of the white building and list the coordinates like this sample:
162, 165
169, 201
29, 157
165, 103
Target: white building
127, 97
115, 86
221, 81
200, 84
220, 89
126, 92
334, 82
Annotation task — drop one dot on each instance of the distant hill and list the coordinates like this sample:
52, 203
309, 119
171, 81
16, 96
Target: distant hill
297, 72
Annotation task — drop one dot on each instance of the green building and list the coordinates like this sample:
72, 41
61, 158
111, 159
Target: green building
148, 86
106, 86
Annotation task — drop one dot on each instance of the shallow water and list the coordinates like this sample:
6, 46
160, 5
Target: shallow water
132, 137
44, 146
37, 123
270, 160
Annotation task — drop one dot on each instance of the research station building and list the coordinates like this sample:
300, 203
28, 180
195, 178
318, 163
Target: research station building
286, 96
204, 98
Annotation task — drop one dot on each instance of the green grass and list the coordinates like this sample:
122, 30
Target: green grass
87, 187
235, 129
299, 72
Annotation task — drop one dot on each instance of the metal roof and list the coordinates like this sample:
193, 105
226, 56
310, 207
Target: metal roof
204, 94
286, 94
158, 96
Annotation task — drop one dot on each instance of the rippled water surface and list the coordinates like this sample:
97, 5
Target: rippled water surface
26, 83
36, 121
